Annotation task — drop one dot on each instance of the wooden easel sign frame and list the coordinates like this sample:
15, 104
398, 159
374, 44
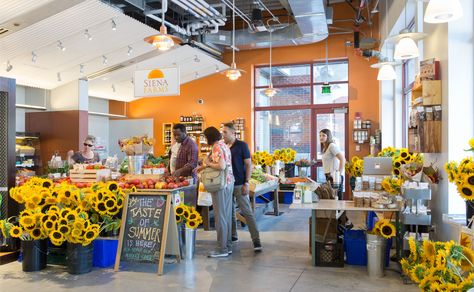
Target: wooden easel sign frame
148, 228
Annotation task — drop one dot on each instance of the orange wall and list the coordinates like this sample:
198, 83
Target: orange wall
225, 100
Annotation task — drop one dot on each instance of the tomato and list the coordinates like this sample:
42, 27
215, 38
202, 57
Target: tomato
185, 183
136, 182
139, 186
127, 186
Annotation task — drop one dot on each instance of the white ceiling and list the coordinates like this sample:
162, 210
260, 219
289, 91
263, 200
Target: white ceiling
68, 26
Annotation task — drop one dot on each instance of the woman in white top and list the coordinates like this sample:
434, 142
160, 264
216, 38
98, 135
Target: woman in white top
331, 156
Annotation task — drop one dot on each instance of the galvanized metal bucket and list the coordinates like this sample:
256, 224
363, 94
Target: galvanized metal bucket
376, 246
187, 241
135, 164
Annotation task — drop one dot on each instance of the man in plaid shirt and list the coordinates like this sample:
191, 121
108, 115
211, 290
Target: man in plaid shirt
187, 157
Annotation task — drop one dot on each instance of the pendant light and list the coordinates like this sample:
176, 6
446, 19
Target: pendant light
326, 88
270, 91
163, 41
233, 73
441, 11
406, 47
386, 70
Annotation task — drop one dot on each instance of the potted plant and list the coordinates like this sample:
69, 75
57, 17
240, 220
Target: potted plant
188, 219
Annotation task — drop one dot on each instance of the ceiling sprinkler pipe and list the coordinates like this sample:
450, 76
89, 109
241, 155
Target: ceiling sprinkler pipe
175, 27
238, 12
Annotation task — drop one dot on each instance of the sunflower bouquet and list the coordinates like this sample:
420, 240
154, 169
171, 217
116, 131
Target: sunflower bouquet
355, 167
286, 155
384, 228
63, 212
462, 174
262, 158
392, 185
188, 215
401, 157
439, 266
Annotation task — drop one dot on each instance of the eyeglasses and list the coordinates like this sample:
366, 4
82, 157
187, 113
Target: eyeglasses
88, 145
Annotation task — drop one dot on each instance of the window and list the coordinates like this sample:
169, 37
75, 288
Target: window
293, 116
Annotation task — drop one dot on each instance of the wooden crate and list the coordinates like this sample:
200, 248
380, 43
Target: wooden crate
88, 175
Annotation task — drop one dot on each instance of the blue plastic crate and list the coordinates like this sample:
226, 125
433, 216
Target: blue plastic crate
356, 250
105, 250
260, 200
288, 198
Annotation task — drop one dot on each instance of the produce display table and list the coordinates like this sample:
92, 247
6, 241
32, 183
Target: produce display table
260, 192
189, 193
336, 205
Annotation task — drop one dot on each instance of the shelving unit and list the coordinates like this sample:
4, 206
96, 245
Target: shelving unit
27, 153
416, 199
167, 132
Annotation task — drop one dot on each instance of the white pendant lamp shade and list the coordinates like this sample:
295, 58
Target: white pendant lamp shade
233, 73
387, 72
270, 91
406, 48
440, 11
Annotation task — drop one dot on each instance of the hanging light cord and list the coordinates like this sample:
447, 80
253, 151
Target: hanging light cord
233, 31
386, 28
327, 61
271, 75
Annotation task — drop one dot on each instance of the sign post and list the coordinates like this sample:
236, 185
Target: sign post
148, 230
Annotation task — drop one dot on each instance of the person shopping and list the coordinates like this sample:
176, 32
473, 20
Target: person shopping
242, 170
331, 154
183, 154
220, 159
87, 155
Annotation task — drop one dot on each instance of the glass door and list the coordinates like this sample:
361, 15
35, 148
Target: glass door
334, 119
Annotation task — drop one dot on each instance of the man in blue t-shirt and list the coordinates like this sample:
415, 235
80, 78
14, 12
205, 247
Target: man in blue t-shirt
242, 169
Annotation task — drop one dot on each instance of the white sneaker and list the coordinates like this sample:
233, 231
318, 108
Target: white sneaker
217, 254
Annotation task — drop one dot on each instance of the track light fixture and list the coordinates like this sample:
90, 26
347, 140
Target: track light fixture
33, 57
113, 87
88, 35
59, 76
61, 47
104, 59
130, 51
81, 68
9, 66
196, 59
114, 25
196, 75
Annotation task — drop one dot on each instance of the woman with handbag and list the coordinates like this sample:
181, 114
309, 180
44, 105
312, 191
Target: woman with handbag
216, 175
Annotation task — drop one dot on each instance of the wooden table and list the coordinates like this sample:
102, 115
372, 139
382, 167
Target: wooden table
335, 205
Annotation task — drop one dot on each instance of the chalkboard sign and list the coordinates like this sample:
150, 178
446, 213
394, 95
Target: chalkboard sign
145, 225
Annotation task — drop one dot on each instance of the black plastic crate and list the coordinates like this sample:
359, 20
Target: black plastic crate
330, 254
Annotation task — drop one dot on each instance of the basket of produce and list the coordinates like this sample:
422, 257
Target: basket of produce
261, 180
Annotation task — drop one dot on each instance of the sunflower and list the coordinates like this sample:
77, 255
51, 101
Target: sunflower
387, 230
112, 186
178, 219
26, 213
119, 202
441, 259
179, 210
110, 204
53, 217
48, 225
27, 221
465, 240
57, 242
63, 213
30, 205
53, 209
64, 229
413, 248
470, 179
63, 221
16, 232
71, 216
36, 234
101, 208
56, 236
191, 224
78, 224
466, 191
429, 249
76, 232
47, 183
192, 216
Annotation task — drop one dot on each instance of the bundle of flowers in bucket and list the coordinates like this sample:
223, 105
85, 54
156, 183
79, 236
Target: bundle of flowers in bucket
376, 246
64, 213
354, 168
439, 266
188, 220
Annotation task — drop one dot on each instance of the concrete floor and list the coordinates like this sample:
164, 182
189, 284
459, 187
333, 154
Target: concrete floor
284, 265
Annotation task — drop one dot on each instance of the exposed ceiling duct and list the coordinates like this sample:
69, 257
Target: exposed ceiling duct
311, 26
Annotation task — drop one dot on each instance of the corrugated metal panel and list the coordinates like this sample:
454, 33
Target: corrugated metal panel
12, 8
